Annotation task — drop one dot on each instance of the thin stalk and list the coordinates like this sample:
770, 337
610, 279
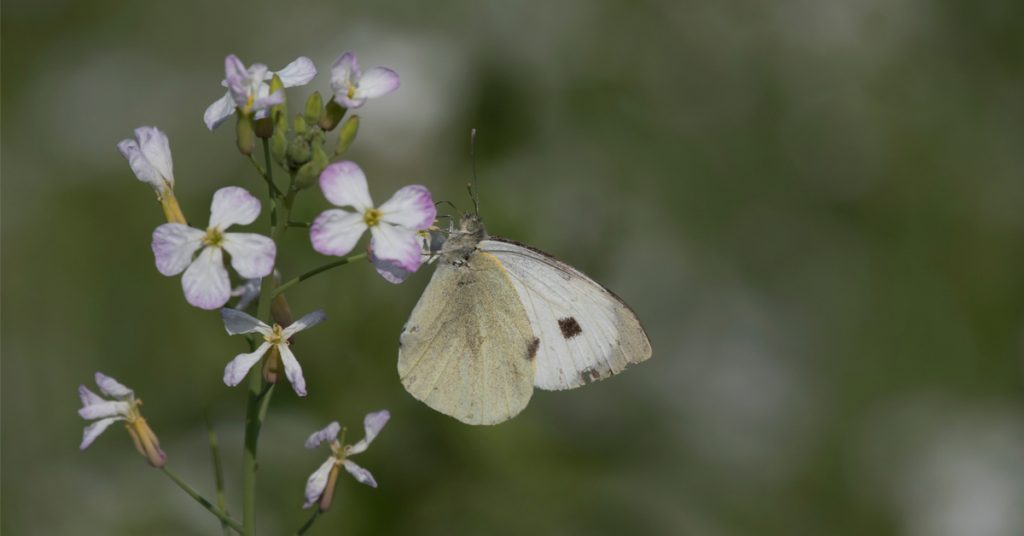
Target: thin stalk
295, 281
309, 523
275, 191
218, 472
224, 518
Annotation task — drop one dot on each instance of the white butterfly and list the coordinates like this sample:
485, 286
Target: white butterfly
499, 318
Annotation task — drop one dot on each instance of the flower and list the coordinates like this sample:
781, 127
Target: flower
395, 247
352, 88
275, 340
248, 90
320, 485
150, 159
124, 407
206, 281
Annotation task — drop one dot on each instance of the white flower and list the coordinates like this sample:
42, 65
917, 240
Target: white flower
352, 87
275, 340
123, 407
150, 158
320, 485
249, 91
395, 248
206, 281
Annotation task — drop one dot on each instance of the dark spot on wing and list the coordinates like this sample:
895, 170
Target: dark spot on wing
570, 327
531, 349
590, 375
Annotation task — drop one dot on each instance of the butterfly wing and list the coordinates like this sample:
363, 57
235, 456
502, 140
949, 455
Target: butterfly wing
586, 333
466, 349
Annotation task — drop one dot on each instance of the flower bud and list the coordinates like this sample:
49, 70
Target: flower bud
279, 146
280, 311
146, 442
278, 111
298, 152
263, 127
310, 171
245, 135
347, 135
314, 108
299, 125
332, 115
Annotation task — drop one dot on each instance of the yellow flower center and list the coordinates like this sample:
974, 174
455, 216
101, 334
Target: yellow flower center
372, 217
351, 90
213, 237
276, 336
248, 103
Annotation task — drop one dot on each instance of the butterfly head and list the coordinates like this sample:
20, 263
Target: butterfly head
462, 242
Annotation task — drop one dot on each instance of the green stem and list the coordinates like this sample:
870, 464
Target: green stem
302, 530
295, 281
218, 472
224, 518
275, 191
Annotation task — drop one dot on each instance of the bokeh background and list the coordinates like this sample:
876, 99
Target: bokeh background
816, 208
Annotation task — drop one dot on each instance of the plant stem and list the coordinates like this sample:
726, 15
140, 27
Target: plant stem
302, 530
224, 518
218, 472
275, 191
295, 281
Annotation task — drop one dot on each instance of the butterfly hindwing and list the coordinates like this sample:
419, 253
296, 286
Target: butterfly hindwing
583, 331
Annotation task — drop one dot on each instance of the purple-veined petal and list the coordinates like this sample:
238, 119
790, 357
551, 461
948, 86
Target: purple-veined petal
157, 150
344, 72
335, 231
233, 205
372, 424
173, 246
344, 185
292, 369
237, 323
236, 370
111, 387
298, 72
395, 252
236, 76
219, 111
252, 255
143, 170
263, 102
327, 433
94, 430
317, 482
362, 475
110, 408
206, 282
306, 322
411, 206
88, 397
376, 82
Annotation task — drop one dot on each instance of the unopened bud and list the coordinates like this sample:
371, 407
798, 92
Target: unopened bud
332, 115
299, 125
298, 152
246, 138
347, 135
263, 127
279, 146
281, 312
278, 111
314, 107
310, 171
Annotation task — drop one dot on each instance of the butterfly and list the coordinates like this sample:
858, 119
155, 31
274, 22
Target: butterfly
499, 318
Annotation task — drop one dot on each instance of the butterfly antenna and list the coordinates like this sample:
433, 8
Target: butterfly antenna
474, 188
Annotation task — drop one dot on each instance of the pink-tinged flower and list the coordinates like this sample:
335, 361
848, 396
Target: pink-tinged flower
395, 247
249, 91
320, 485
206, 281
352, 87
149, 155
123, 407
275, 346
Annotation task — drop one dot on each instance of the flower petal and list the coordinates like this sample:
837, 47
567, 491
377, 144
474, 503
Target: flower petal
88, 397
327, 433
219, 111
344, 185
95, 429
247, 292
157, 150
305, 322
362, 475
263, 102
142, 168
376, 82
173, 245
411, 206
233, 206
350, 104
252, 255
292, 369
372, 424
345, 71
237, 323
395, 252
111, 387
236, 370
298, 72
206, 282
317, 482
335, 231
236, 76
109, 408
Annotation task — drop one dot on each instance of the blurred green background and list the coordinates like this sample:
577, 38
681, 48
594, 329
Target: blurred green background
814, 206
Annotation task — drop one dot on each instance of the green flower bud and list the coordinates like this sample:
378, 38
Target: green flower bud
347, 135
246, 138
278, 111
279, 146
332, 115
299, 125
310, 171
298, 152
314, 107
